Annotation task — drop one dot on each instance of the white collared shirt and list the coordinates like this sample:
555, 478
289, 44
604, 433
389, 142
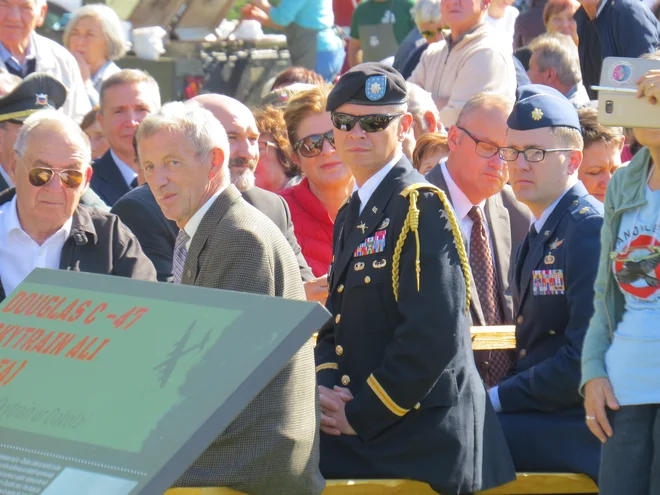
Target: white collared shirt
193, 223
127, 172
538, 223
462, 206
5, 176
369, 187
20, 254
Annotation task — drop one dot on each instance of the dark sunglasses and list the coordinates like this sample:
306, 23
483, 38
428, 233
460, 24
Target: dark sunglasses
368, 123
40, 176
312, 146
431, 34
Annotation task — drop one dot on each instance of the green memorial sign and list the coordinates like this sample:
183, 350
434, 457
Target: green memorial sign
113, 386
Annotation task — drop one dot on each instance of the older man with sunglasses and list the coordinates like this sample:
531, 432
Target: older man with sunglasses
43, 225
400, 394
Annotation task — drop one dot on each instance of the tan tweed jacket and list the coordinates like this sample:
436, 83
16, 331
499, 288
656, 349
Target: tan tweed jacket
273, 445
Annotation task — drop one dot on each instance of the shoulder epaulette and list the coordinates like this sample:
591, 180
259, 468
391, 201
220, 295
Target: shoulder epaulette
412, 224
583, 209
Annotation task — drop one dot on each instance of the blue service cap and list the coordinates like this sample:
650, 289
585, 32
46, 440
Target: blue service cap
539, 106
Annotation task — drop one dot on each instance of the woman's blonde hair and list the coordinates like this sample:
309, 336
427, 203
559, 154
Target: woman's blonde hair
301, 106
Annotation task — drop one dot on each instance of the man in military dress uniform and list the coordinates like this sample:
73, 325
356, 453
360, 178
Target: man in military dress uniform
400, 394
553, 288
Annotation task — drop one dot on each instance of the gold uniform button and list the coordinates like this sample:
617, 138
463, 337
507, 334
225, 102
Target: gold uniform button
345, 380
337, 318
552, 332
367, 279
340, 289
339, 350
418, 405
485, 365
523, 353
520, 319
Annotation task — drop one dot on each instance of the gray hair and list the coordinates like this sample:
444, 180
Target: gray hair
110, 25
426, 11
558, 51
421, 101
130, 76
53, 120
485, 100
200, 128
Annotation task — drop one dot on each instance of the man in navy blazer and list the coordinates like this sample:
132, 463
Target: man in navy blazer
553, 288
126, 98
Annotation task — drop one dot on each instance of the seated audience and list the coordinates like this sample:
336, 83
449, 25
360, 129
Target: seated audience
621, 28
276, 169
43, 224
296, 75
473, 58
555, 62
429, 26
314, 202
620, 354
430, 149
90, 125
602, 153
95, 37
553, 282
23, 51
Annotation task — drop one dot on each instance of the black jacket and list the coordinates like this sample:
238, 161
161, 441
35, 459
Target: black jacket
420, 409
107, 180
99, 243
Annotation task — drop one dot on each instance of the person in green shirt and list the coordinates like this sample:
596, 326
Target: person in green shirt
377, 29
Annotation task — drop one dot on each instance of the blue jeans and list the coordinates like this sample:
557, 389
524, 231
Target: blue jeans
328, 64
630, 462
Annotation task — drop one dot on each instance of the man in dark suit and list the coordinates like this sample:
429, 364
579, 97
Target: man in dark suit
243, 135
140, 212
493, 223
126, 98
225, 243
400, 395
43, 224
553, 288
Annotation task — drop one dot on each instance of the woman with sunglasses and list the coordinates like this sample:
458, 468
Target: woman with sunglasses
314, 202
620, 364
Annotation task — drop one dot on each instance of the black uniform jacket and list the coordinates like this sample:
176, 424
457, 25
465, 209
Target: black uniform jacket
99, 243
419, 407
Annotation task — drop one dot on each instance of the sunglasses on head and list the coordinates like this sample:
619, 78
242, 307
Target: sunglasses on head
40, 176
368, 123
312, 146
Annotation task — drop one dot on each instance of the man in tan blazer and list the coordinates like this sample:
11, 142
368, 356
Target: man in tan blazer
474, 178
225, 243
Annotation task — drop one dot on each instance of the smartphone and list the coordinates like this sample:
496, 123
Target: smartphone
618, 104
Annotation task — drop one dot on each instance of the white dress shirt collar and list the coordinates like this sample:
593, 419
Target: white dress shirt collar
539, 222
127, 172
193, 223
462, 205
369, 187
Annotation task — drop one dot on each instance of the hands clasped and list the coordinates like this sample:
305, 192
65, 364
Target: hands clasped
333, 410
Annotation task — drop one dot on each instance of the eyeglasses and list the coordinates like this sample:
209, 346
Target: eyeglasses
312, 146
431, 34
40, 176
483, 148
368, 123
263, 146
532, 155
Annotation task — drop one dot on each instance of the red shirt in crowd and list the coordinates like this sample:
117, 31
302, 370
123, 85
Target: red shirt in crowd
312, 226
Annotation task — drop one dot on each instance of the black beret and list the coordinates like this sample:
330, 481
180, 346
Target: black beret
36, 92
371, 83
539, 106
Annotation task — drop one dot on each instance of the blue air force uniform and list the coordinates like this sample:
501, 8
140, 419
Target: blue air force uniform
399, 334
553, 290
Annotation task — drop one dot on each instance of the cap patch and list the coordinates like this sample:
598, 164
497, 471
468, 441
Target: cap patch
42, 99
537, 114
375, 87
